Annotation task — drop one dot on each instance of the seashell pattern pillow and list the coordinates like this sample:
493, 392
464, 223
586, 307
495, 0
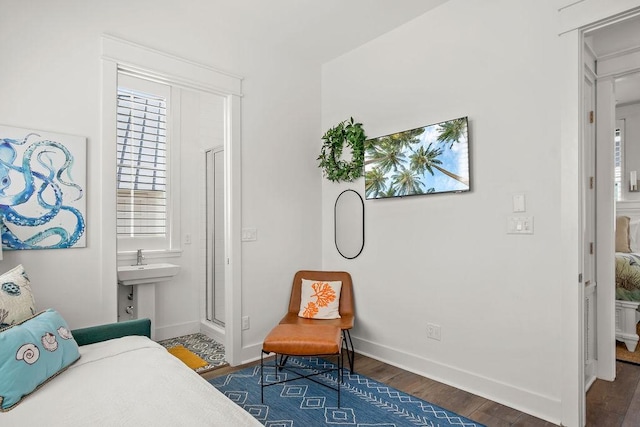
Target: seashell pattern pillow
31, 353
16, 299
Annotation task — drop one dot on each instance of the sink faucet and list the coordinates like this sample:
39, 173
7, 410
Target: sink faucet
139, 257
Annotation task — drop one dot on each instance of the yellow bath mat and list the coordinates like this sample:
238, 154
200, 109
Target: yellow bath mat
190, 359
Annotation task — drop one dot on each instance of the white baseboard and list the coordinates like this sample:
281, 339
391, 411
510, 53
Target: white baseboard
172, 331
209, 329
251, 353
213, 331
544, 407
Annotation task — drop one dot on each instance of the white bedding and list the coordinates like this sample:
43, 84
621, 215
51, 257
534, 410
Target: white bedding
130, 381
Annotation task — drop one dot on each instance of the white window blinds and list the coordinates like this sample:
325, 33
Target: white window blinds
141, 164
617, 158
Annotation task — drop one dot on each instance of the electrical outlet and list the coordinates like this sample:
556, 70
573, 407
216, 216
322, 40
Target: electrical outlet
245, 323
433, 331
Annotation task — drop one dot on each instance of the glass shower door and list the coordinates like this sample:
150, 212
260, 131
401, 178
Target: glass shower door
215, 236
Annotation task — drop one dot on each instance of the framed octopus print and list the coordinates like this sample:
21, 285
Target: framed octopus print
42, 189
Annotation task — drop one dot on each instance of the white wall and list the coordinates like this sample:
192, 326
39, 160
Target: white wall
497, 297
447, 259
201, 128
51, 80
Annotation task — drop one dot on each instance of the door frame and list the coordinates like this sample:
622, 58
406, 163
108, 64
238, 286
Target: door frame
606, 213
574, 18
118, 53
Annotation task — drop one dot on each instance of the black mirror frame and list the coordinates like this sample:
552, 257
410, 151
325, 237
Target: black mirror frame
335, 224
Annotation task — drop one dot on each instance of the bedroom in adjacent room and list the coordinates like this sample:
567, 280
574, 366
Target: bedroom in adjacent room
614, 50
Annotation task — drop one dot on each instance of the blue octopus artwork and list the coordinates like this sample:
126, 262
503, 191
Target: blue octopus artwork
41, 205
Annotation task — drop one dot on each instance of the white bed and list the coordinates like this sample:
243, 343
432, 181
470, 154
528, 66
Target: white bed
129, 381
627, 302
627, 316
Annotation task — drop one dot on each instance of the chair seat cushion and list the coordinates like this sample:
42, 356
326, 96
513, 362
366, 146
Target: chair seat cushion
345, 322
303, 340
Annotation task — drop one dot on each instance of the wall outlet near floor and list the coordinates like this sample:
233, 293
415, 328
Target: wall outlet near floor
245, 323
433, 331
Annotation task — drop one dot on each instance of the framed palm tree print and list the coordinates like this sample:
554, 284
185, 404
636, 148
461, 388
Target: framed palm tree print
427, 160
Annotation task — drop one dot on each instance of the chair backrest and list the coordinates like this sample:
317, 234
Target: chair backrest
346, 293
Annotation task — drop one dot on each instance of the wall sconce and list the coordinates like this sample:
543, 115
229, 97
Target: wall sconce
633, 181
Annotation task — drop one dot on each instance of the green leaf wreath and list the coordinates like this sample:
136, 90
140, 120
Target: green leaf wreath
344, 133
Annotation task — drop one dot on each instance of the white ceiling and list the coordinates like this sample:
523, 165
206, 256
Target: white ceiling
319, 31
322, 30
628, 89
615, 38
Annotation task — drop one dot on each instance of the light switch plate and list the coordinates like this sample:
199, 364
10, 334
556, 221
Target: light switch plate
249, 234
519, 203
520, 225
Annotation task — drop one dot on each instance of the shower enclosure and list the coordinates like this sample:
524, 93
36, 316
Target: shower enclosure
215, 301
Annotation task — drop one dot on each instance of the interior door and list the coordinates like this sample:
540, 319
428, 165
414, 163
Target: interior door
589, 231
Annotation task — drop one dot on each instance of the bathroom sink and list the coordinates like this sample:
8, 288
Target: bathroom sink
146, 273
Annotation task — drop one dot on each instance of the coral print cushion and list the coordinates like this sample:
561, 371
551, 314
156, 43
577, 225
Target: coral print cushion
320, 300
31, 353
16, 299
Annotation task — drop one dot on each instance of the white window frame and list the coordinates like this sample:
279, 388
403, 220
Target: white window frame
171, 241
619, 180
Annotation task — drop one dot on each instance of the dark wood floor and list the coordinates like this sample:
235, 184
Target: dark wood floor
469, 405
617, 403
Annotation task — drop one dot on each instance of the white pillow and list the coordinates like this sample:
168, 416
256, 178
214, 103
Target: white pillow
320, 300
16, 300
634, 242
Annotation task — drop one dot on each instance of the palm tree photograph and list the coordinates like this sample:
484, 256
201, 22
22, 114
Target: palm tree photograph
427, 160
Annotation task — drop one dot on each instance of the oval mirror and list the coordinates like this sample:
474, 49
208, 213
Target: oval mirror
349, 224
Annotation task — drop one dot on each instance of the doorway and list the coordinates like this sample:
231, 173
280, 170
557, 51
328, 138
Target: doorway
118, 55
611, 48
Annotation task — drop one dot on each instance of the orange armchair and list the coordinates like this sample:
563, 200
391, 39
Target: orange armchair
346, 307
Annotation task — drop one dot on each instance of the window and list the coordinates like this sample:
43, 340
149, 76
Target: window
142, 164
618, 145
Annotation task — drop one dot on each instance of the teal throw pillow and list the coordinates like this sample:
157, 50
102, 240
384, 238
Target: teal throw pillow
31, 353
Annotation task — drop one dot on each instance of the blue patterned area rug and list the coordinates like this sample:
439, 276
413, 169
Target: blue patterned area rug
303, 403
